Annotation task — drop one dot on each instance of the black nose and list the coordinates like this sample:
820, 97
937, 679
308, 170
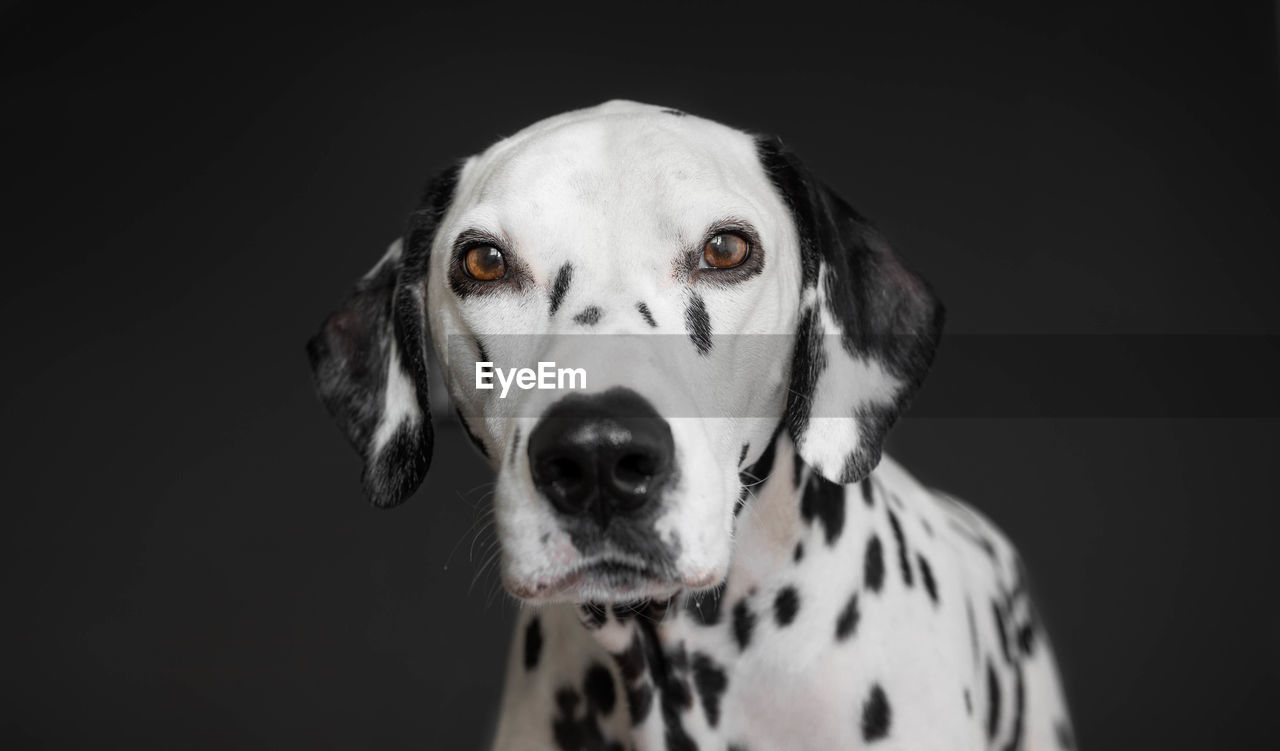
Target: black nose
601, 455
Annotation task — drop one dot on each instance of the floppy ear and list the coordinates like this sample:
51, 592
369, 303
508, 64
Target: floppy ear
369, 360
868, 328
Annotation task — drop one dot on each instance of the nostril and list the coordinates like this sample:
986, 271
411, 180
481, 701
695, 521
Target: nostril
565, 481
562, 470
635, 470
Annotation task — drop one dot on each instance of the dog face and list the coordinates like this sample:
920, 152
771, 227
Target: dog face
711, 293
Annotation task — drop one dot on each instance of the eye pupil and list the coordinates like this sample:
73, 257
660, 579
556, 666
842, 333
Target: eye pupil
485, 263
725, 250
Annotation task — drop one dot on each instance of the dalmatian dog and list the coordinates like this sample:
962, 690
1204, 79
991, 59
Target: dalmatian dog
709, 549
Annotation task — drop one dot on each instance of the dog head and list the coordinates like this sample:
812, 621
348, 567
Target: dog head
710, 292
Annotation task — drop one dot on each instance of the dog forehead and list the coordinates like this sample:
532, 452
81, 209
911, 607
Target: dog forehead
650, 173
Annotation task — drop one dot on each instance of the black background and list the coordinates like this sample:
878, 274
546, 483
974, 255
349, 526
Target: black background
188, 561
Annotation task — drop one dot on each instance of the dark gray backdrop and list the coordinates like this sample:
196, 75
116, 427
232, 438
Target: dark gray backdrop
187, 558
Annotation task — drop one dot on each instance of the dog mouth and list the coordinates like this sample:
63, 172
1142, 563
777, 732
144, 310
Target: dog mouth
607, 578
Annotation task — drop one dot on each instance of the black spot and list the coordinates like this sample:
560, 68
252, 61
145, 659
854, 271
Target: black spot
560, 286
755, 475
570, 733
763, 467
1019, 707
928, 528
698, 322
482, 352
902, 548
646, 315
704, 607
786, 605
631, 660
797, 471
824, 500
926, 576
873, 564
639, 702
593, 614
588, 317
796, 556
1027, 639
673, 692
677, 737
867, 496
993, 702
597, 686
807, 364
1001, 633
744, 622
532, 643
847, 621
968, 703
876, 715
677, 113
742, 457
711, 682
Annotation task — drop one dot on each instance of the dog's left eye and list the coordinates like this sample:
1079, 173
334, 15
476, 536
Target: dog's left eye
484, 263
725, 250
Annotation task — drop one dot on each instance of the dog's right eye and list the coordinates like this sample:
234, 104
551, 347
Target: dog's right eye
484, 263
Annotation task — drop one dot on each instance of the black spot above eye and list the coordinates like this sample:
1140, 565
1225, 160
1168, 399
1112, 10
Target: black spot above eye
646, 315
560, 286
675, 112
876, 715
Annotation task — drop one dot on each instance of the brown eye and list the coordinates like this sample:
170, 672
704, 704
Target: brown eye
725, 250
485, 263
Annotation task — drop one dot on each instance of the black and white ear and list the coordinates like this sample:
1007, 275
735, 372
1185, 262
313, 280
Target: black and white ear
369, 361
868, 328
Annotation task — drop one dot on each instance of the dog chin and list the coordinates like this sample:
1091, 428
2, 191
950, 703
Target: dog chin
606, 582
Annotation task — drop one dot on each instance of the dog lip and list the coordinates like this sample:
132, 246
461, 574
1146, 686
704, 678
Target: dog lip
617, 565
618, 573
